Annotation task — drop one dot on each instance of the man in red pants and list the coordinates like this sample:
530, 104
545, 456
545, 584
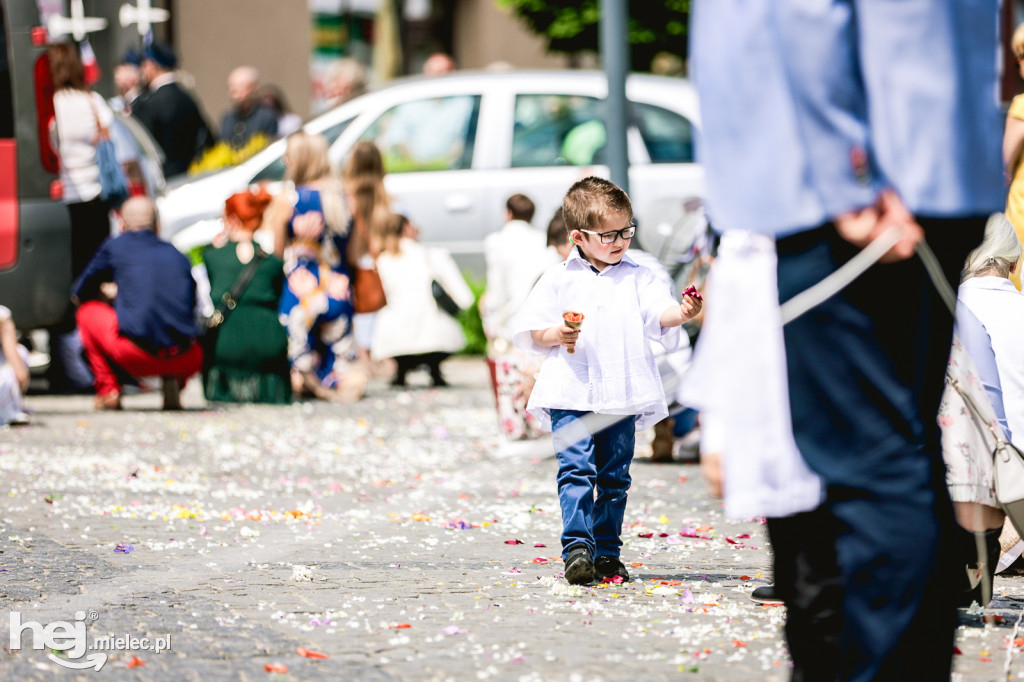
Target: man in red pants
150, 330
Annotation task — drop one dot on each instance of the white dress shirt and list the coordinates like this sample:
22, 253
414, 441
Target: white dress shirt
613, 369
1000, 308
738, 382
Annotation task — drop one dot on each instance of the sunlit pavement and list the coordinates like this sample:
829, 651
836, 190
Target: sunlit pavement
391, 539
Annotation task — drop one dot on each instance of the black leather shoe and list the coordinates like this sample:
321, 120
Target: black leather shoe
609, 567
579, 567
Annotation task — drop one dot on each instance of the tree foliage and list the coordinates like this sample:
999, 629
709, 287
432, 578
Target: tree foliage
571, 26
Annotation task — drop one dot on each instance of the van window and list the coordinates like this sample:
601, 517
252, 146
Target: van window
6, 96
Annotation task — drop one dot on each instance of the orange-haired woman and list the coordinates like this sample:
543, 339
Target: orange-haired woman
250, 363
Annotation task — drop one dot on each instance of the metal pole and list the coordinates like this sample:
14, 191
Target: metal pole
615, 58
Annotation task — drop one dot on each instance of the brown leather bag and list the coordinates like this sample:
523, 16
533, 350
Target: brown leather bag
367, 291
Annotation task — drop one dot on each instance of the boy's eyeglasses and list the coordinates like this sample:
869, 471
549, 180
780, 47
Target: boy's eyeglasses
610, 236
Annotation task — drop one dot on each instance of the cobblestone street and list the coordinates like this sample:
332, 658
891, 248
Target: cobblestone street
396, 537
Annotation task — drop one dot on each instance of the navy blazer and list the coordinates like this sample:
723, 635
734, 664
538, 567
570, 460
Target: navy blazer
156, 295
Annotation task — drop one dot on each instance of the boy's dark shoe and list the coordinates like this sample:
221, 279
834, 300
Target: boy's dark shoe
609, 567
579, 568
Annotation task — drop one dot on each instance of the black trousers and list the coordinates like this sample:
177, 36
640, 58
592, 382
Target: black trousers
90, 225
869, 576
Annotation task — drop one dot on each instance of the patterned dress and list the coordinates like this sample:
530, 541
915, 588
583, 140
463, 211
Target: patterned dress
319, 325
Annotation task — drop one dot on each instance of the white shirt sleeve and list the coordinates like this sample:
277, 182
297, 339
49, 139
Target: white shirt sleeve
539, 312
655, 298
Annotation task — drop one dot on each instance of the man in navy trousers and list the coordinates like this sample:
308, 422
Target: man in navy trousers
824, 122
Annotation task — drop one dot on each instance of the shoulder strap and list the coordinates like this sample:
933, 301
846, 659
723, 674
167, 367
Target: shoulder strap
100, 128
230, 298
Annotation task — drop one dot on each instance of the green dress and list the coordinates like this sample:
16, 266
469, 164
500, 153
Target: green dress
250, 362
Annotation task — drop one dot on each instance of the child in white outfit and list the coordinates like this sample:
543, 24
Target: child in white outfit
609, 370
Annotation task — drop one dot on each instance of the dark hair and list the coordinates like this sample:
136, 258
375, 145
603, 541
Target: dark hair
557, 234
588, 203
521, 208
66, 66
274, 98
248, 207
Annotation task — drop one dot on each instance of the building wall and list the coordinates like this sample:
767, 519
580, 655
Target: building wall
214, 37
486, 33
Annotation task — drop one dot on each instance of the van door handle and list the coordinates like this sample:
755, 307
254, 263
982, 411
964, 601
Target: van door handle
458, 203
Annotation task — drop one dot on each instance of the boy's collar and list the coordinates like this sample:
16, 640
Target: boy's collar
576, 256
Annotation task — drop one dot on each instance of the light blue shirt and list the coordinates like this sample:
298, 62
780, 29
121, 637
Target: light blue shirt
810, 107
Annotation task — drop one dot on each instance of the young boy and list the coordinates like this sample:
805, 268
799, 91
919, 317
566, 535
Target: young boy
610, 370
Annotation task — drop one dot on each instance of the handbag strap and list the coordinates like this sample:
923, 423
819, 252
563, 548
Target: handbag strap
101, 130
229, 299
948, 296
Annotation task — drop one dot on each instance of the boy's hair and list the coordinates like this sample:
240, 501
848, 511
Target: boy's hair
557, 234
589, 202
520, 207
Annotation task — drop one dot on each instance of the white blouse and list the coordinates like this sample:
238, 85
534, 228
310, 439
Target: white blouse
1000, 308
76, 141
613, 369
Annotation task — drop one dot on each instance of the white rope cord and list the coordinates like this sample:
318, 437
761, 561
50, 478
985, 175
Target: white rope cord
841, 278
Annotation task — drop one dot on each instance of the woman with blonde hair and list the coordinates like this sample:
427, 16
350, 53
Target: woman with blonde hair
250, 357
990, 324
364, 185
311, 232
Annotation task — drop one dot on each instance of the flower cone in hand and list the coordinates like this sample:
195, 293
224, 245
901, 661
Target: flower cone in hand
573, 320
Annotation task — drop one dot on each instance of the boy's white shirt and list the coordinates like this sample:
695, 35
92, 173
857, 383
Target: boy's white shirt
613, 370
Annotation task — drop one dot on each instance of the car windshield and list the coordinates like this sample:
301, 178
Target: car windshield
274, 172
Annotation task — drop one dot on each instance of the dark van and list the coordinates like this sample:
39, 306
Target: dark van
35, 242
35, 229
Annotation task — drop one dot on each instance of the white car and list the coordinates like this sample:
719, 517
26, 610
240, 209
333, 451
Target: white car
457, 146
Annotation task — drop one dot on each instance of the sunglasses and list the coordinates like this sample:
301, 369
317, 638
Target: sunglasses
610, 236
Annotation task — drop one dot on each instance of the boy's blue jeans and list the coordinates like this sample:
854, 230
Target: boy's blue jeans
587, 460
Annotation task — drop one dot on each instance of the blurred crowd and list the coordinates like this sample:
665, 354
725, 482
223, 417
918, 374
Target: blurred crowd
305, 293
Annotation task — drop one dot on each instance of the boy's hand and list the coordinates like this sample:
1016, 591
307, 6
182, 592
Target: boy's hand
691, 305
567, 336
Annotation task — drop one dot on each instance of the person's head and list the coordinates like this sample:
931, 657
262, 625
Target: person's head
558, 236
438, 64
345, 79
243, 87
595, 211
126, 78
243, 212
157, 59
139, 213
520, 207
1017, 45
306, 158
998, 253
394, 229
66, 66
364, 161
